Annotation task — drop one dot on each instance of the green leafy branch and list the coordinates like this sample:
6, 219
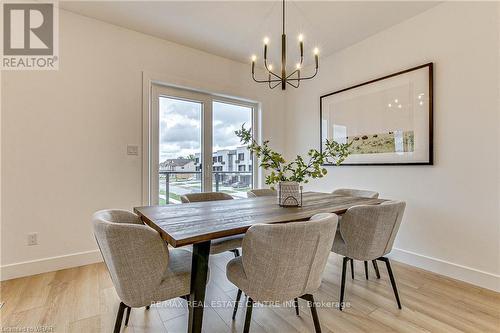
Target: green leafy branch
297, 170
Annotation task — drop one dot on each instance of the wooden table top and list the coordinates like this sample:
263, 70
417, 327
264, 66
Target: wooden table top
191, 223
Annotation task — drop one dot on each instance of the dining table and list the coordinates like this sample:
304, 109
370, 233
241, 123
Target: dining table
199, 223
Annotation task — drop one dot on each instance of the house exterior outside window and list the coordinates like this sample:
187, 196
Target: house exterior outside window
179, 164
237, 160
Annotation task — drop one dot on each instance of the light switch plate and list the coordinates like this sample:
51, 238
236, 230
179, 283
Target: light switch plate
32, 238
132, 150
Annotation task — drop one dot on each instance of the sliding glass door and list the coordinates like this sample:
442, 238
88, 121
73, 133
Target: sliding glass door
232, 162
179, 148
193, 147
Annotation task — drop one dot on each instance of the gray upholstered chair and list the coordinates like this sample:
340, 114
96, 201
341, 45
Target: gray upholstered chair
263, 192
267, 192
230, 243
205, 196
349, 192
367, 233
281, 262
142, 268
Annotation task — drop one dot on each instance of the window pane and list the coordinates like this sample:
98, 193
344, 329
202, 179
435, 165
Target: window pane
232, 160
179, 149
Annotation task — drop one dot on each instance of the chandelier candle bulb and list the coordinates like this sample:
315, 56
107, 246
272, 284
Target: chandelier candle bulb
301, 45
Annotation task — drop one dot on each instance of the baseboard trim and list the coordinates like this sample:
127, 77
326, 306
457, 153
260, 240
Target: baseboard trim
459, 272
463, 273
44, 265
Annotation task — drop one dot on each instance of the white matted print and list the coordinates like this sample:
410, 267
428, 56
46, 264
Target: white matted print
387, 120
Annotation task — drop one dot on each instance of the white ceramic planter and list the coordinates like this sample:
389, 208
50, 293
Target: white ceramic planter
289, 194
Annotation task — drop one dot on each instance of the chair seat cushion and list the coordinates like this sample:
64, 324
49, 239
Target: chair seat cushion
177, 278
226, 243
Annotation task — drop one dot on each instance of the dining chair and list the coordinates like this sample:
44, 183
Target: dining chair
367, 233
281, 262
267, 192
142, 268
220, 245
351, 192
263, 192
205, 196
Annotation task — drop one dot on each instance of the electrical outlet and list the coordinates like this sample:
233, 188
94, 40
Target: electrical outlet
33, 239
132, 150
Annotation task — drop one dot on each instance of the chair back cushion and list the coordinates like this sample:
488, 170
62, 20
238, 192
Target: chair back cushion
369, 230
118, 216
205, 196
263, 192
135, 254
283, 261
349, 192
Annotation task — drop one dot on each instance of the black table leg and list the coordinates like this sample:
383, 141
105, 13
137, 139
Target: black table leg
199, 271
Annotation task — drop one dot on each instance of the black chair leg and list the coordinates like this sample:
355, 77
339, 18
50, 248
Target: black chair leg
352, 268
342, 283
375, 267
393, 281
310, 301
128, 315
366, 269
119, 317
238, 297
248, 317
296, 304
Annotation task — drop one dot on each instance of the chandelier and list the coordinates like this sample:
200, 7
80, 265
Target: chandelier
293, 78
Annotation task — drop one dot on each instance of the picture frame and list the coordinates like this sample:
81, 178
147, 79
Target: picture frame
388, 120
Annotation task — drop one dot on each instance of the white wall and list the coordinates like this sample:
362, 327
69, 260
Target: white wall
452, 220
64, 135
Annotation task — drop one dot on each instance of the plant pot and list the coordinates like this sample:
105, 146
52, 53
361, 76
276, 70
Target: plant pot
289, 194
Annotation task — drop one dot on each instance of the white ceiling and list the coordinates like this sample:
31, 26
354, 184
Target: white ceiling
235, 29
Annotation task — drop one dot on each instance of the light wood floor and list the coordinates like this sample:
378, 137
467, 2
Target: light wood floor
83, 299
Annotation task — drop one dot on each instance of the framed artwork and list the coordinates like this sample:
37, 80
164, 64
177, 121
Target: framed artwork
388, 121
